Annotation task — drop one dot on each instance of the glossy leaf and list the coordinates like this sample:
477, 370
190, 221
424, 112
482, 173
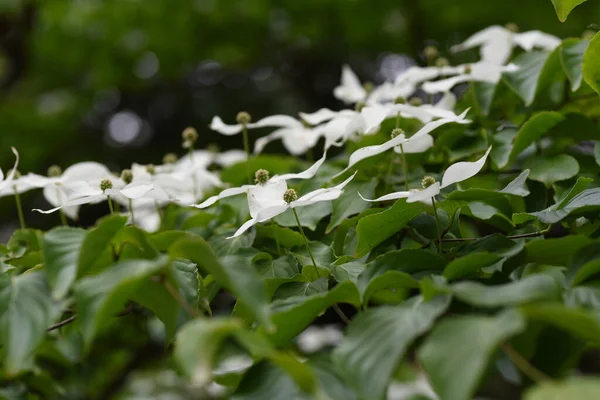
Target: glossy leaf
552, 169
564, 7
591, 60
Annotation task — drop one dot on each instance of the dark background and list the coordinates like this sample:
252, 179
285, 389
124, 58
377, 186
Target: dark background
116, 81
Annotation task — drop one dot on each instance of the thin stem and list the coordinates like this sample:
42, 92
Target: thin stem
532, 372
306, 242
131, 212
19, 208
110, 205
437, 224
247, 150
388, 179
62, 323
63, 217
341, 314
182, 302
191, 153
522, 235
404, 167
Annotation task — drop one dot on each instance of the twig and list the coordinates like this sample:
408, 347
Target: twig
532, 372
62, 323
523, 235
341, 314
177, 296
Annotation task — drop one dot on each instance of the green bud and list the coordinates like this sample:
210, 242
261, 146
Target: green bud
169, 158
54, 171
150, 169
511, 26
290, 195
400, 100
105, 184
189, 134
588, 34
17, 174
368, 86
127, 176
442, 62
396, 132
261, 176
468, 69
359, 106
427, 181
213, 148
243, 118
415, 101
431, 53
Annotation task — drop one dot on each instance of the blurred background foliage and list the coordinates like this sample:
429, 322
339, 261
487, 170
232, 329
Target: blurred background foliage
116, 81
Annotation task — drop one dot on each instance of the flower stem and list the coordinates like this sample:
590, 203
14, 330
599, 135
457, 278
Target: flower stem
437, 224
306, 242
63, 218
532, 372
110, 205
404, 167
247, 150
388, 179
19, 208
131, 211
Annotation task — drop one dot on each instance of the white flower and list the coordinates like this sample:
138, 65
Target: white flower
371, 151
315, 338
416, 75
278, 121
350, 90
455, 173
309, 173
6, 182
480, 72
497, 42
296, 137
24, 184
267, 202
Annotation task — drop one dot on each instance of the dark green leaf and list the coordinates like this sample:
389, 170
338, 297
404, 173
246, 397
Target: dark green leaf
350, 202
524, 81
581, 323
563, 9
536, 127
591, 60
577, 388
571, 57
61, 247
552, 169
469, 264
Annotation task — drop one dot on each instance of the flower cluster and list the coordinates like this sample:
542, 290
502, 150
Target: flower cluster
143, 189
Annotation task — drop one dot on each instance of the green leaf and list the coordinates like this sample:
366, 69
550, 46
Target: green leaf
374, 229
528, 289
265, 381
309, 216
26, 311
377, 340
350, 202
284, 236
61, 248
455, 355
564, 7
584, 264
102, 296
591, 61
576, 388
97, 240
535, 127
581, 323
518, 186
197, 345
587, 200
469, 264
293, 314
554, 251
571, 57
237, 174
524, 81
231, 271
552, 169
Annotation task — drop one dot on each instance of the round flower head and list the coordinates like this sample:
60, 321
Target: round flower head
243, 118
396, 132
127, 176
169, 158
468, 69
213, 148
189, 134
359, 106
261, 176
54, 171
290, 195
427, 181
442, 62
150, 169
431, 53
416, 101
105, 184
368, 86
17, 174
400, 100
511, 26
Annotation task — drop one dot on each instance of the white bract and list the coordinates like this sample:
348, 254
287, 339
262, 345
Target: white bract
455, 173
277, 121
496, 43
350, 90
309, 173
297, 138
479, 72
415, 140
6, 182
267, 201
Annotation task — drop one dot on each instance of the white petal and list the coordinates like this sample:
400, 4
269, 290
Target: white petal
319, 116
445, 85
260, 143
420, 144
459, 119
424, 195
463, 170
532, 39
389, 196
225, 193
218, 125
136, 189
299, 141
370, 151
447, 102
417, 75
75, 202
230, 157
12, 172
84, 171
495, 42
374, 115
264, 196
322, 194
350, 90
309, 173
264, 215
278, 121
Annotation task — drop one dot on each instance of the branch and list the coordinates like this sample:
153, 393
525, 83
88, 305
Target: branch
182, 302
532, 372
523, 235
341, 314
62, 323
